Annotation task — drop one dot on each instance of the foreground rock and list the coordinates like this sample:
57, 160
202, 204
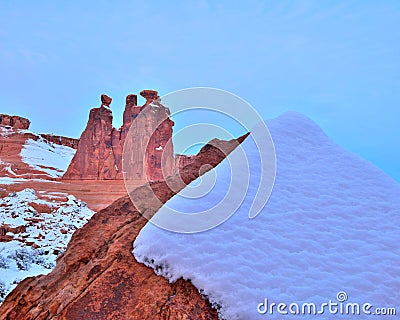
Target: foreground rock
98, 278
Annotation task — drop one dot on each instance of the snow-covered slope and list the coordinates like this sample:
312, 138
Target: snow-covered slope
49, 157
26, 157
45, 223
332, 225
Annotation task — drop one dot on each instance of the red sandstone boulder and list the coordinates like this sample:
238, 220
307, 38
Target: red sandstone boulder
149, 95
5, 228
41, 208
105, 100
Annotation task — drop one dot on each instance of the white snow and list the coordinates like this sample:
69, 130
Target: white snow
50, 158
18, 260
6, 131
332, 224
8, 180
159, 148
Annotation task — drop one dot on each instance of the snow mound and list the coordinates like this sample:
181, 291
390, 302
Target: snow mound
48, 157
45, 224
332, 224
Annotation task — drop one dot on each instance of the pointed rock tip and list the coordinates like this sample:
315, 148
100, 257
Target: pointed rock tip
105, 100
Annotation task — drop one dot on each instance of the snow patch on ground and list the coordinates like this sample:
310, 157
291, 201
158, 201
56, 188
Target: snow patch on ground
9, 181
332, 224
49, 232
48, 157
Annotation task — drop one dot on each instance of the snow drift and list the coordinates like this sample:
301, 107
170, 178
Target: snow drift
51, 158
331, 225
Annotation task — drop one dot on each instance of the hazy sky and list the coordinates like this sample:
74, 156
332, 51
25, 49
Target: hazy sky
335, 61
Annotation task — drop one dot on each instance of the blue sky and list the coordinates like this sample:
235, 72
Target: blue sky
335, 61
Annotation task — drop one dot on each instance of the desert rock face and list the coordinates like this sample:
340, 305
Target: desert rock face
149, 95
97, 276
94, 158
100, 148
64, 141
15, 122
182, 160
149, 149
98, 194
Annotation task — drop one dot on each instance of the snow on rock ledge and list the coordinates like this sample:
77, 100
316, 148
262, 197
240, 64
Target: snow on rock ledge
332, 224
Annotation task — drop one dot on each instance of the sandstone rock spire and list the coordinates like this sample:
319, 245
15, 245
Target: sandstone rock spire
100, 148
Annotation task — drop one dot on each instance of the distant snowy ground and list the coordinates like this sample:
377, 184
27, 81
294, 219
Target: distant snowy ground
51, 158
332, 224
49, 233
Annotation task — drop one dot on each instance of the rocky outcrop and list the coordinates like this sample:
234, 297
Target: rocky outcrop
100, 148
94, 158
63, 141
15, 122
149, 149
150, 96
105, 100
97, 276
6, 229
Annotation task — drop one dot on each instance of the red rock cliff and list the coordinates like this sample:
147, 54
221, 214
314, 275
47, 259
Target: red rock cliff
100, 148
64, 141
14, 121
